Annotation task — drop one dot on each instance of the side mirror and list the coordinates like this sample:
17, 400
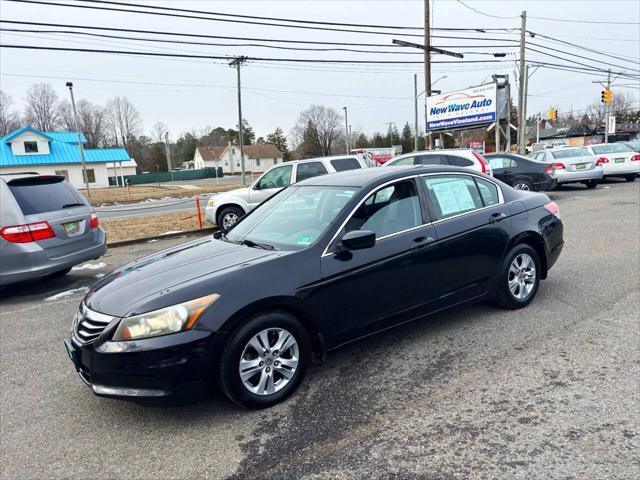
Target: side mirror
358, 240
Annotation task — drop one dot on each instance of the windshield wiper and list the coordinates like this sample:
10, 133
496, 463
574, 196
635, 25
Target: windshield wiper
69, 205
252, 244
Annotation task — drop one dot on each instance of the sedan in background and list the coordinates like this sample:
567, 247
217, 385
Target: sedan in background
621, 161
632, 144
573, 165
522, 173
320, 264
46, 227
456, 157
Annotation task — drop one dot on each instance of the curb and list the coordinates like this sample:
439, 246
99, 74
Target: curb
123, 243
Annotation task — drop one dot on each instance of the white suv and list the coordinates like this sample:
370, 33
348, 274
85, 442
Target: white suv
226, 208
458, 157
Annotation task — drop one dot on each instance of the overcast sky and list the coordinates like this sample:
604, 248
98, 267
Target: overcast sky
275, 93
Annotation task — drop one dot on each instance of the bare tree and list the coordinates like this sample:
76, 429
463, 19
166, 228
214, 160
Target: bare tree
621, 104
316, 130
9, 119
158, 131
91, 121
123, 120
42, 107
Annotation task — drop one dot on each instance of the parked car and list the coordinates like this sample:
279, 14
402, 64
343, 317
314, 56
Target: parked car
573, 165
633, 145
320, 264
457, 157
522, 173
621, 161
227, 208
46, 227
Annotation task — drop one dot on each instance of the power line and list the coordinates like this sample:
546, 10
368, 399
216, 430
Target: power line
480, 12
581, 64
219, 57
253, 39
600, 62
183, 42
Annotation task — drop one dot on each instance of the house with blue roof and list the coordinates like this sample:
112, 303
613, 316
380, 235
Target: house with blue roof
57, 153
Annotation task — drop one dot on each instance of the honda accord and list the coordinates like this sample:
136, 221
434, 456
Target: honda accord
322, 263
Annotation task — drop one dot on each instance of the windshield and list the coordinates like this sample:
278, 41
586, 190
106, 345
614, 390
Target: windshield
570, 153
293, 219
611, 148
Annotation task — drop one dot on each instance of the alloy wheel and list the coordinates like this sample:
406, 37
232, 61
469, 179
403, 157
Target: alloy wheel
521, 186
269, 361
522, 276
229, 220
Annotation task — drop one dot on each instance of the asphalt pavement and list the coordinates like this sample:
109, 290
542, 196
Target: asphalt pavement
550, 391
153, 207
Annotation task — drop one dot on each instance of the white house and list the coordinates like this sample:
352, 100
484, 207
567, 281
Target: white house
119, 170
57, 153
257, 158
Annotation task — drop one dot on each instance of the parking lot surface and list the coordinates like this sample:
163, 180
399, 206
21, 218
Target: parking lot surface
550, 391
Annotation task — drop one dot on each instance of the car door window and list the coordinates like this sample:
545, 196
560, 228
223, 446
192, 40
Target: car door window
343, 164
452, 195
458, 161
389, 210
498, 163
488, 192
436, 159
309, 170
403, 161
277, 178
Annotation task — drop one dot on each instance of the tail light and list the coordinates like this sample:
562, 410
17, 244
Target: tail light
550, 170
94, 220
27, 233
601, 161
553, 208
483, 162
635, 158
559, 166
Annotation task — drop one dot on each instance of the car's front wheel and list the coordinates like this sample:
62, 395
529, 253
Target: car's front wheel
591, 184
229, 216
630, 178
264, 361
520, 277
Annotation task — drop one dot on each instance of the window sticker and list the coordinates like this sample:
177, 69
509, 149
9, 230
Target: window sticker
453, 196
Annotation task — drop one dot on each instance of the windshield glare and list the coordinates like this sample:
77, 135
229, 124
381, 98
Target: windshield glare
293, 219
570, 153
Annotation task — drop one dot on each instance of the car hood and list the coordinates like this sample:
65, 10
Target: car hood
176, 275
238, 192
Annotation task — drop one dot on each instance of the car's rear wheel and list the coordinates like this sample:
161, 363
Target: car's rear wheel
630, 178
520, 277
229, 216
522, 185
264, 361
591, 184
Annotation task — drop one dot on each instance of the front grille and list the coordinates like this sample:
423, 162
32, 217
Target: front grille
88, 324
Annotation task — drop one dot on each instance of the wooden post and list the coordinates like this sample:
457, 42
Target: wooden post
128, 189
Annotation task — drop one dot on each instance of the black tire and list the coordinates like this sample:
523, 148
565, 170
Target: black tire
505, 298
591, 184
229, 375
229, 212
59, 273
523, 184
630, 178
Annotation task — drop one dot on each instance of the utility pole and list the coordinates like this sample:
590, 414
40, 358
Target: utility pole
415, 98
538, 120
507, 101
607, 110
346, 126
427, 69
521, 85
168, 153
236, 63
80, 146
390, 133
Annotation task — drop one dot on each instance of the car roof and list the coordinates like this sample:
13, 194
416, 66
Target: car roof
369, 176
7, 177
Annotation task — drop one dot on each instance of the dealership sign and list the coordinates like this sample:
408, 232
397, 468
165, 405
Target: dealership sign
462, 109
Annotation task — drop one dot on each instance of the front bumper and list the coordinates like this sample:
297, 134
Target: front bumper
210, 213
579, 175
152, 367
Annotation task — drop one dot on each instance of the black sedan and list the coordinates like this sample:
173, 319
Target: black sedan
322, 263
522, 173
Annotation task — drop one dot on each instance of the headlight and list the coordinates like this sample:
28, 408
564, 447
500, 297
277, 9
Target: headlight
211, 202
172, 319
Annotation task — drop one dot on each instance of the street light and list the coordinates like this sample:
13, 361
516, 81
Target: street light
75, 120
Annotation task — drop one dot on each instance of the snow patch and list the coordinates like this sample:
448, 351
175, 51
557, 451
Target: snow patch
90, 266
153, 240
171, 232
67, 293
100, 275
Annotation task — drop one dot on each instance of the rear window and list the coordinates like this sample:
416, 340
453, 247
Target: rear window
570, 153
611, 148
432, 159
342, 164
39, 195
310, 170
459, 161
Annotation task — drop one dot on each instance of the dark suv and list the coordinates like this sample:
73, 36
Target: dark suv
46, 227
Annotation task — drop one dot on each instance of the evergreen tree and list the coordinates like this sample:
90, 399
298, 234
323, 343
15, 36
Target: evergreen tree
280, 141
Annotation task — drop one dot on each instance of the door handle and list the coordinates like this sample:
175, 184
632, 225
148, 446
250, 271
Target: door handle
496, 217
506, 172
425, 240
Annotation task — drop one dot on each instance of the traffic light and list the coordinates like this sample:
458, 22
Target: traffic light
606, 95
552, 114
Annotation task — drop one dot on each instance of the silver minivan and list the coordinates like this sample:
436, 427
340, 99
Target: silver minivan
46, 227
